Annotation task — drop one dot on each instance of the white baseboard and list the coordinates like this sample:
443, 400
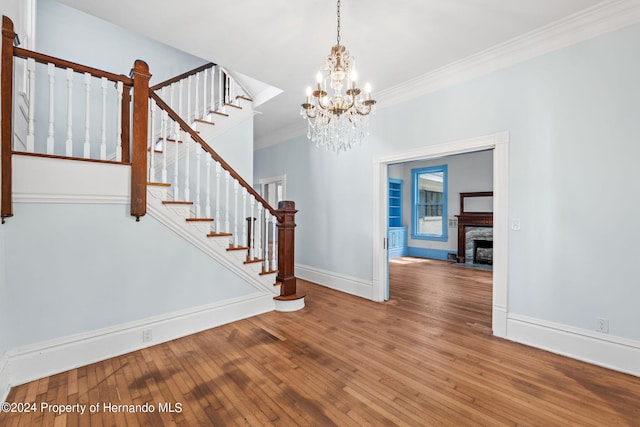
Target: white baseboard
611, 352
499, 321
52, 357
339, 282
5, 385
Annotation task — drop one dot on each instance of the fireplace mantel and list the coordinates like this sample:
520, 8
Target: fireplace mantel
471, 219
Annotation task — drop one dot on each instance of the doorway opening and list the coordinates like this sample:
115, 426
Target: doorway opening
273, 189
499, 144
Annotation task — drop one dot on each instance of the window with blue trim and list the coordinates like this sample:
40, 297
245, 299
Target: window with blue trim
429, 213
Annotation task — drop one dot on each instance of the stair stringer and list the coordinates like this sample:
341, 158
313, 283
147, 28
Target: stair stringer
174, 217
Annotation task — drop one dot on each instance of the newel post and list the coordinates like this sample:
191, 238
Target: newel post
139, 130
286, 239
6, 105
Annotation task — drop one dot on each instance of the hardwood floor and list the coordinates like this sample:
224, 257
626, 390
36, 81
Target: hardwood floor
426, 357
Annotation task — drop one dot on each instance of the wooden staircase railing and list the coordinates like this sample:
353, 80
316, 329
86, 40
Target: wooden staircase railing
134, 146
202, 94
239, 197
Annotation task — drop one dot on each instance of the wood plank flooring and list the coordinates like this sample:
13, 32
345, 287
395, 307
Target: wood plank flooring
426, 357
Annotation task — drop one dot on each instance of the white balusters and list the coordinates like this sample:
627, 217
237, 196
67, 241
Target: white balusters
152, 143
227, 179
205, 75
103, 130
187, 167
69, 142
31, 71
172, 90
164, 131
236, 186
197, 94
198, 162
221, 106
258, 237
176, 184
188, 119
252, 228
274, 243
119, 90
207, 212
180, 92
213, 89
87, 116
218, 196
244, 215
51, 72
267, 249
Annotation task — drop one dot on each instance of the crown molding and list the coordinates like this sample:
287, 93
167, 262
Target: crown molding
594, 21
589, 23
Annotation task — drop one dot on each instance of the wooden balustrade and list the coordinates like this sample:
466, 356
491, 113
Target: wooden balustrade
231, 190
134, 147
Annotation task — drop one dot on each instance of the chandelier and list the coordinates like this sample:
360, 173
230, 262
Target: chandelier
340, 121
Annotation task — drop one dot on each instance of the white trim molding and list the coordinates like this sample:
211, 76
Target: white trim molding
48, 358
499, 143
611, 352
589, 23
339, 282
5, 384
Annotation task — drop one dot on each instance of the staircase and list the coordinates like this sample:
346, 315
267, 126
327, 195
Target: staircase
176, 176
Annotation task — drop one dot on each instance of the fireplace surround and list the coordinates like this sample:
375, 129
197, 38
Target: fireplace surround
474, 219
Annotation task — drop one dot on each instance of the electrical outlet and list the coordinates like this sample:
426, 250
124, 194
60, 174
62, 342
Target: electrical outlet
515, 224
147, 335
602, 325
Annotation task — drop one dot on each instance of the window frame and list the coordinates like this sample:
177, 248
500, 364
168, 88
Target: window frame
415, 187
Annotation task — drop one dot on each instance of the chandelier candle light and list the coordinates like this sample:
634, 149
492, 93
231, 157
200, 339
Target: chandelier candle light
340, 121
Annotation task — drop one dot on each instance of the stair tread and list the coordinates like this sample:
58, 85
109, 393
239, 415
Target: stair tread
265, 272
237, 248
219, 234
234, 106
219, 113
172, 202
204, 121
158, 184
253, 261
199, 219
244, 97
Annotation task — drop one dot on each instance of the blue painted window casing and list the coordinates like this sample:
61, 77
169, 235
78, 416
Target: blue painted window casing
429, 203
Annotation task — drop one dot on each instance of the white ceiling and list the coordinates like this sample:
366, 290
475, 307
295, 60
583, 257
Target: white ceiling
284, 42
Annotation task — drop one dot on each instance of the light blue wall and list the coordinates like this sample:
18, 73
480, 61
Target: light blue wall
75, 268
574, 122
8, 8
67, 33
235, 146
4, 325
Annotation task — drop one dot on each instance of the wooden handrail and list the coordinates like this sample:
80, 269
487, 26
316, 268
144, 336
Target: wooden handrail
194, 135
182, 76
61, 63
6, 88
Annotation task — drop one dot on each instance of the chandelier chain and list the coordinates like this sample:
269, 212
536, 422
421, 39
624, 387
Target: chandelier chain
338, 21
